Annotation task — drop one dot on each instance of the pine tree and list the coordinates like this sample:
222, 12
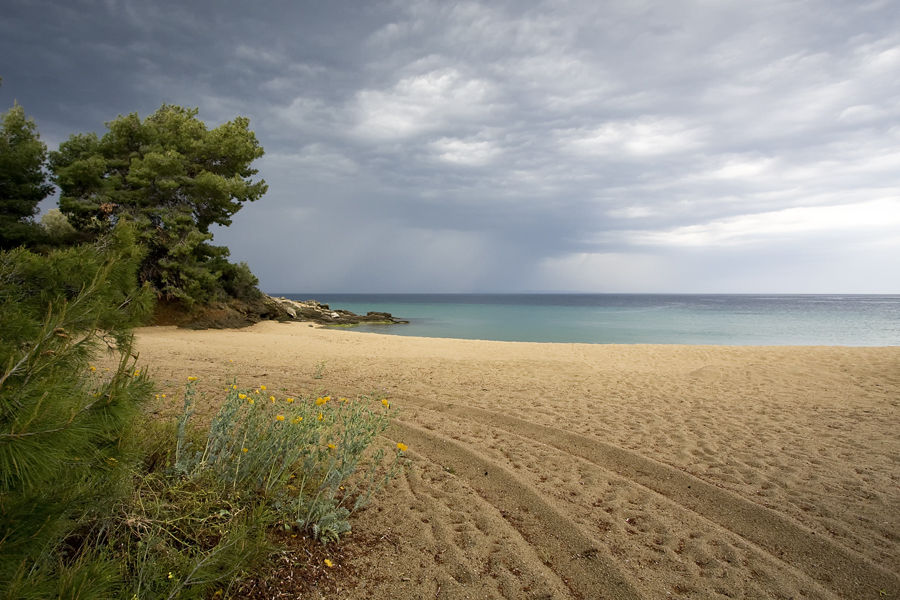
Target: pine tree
63, 423
174, 179
23, 183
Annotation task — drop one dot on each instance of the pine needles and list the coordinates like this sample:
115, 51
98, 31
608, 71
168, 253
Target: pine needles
63, 430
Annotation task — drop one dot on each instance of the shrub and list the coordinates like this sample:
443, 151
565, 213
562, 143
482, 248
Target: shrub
203, 503
239, 282
57, 227
300, 457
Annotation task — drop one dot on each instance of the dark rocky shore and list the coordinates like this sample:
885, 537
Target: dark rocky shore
237, 314
316, 312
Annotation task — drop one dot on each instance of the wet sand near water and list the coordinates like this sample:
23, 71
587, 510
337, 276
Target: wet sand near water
596, 471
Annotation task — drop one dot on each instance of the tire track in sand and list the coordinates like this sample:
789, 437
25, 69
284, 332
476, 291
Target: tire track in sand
824, 560
575, 557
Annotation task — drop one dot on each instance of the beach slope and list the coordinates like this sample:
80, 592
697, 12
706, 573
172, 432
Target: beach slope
596, 471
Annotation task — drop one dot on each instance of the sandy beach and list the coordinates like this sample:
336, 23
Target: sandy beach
595, 471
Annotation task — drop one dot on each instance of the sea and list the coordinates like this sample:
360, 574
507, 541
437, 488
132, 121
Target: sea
726, 319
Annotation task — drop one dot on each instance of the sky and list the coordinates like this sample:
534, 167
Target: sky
415, 146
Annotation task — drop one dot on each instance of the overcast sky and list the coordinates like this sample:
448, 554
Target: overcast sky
583, 145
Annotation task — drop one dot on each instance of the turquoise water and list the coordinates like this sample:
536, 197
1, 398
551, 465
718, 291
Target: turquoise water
635, 318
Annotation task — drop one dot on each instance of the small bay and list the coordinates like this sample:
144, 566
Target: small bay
832, 320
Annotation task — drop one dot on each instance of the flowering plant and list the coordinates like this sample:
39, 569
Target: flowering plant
312, 460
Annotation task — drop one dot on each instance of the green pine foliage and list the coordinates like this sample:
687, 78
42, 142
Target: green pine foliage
23, 183
174, 179
63, 424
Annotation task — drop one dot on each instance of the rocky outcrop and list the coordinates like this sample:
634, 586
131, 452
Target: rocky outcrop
316, 312
237, 314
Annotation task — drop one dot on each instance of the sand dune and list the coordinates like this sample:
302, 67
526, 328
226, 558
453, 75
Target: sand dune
600, 471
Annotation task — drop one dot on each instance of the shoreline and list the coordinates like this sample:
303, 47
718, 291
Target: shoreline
736, 319
806, 434
354, 327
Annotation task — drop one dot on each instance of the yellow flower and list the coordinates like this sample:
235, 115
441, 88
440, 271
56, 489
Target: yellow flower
320, 401
289, 400
279, 418
402, 447
255, 391
170, 575
327, 398
245, 450
192, 378
163, 395
343, 400
93, 369
386, 403
242, 396
321, 416
272, 398
234, 386
296, 420
138, 372
250, 401
331, 446
329, 564
262, 387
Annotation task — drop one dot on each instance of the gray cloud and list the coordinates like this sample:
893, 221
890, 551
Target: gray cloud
505, 146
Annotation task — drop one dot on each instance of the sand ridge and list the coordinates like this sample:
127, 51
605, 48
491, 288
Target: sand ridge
620, 471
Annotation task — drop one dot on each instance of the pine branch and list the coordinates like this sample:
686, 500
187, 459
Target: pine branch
55, 430
101, 275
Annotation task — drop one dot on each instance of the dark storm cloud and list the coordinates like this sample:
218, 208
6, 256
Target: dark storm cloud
460, 146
